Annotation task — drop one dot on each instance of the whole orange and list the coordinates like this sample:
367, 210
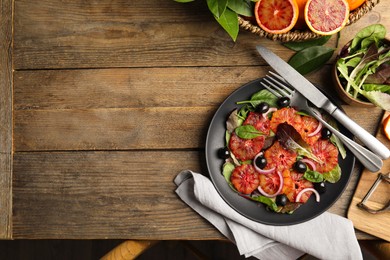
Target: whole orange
353, 4
301, 23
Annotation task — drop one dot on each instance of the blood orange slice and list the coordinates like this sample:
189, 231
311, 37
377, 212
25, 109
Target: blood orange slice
327, 153
326, 17
276, 16
245, 149
245, 178
279, 157
286, 115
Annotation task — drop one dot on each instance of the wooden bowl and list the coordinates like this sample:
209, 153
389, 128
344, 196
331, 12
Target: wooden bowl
344, 96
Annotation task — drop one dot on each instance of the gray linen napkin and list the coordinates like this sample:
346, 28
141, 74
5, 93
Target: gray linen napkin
327, 236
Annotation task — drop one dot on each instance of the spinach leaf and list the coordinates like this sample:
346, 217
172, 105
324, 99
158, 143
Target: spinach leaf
247, 132
261, 96
298, 46
267, 201
368, 35
313, 176
227, 170
311, 58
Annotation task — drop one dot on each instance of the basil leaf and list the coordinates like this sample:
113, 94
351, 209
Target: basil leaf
334, 175
298, 46
313, 176
310, 59
242, 7
217, 7
229, 21
247, 132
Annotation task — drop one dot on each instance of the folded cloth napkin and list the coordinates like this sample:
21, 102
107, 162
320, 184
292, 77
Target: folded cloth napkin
327, 236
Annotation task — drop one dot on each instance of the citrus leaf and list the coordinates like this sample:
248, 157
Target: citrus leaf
242, 7
217, 7
298, 46
311, 58
229, 21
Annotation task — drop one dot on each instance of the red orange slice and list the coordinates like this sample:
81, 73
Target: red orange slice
276, 16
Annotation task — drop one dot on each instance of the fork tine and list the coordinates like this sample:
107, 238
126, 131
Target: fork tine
277, 94
281, 80
277, 86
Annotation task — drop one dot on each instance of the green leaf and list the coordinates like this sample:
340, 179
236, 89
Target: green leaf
242, 7
227, 170
310, 59
229, 21
217, 7
247, 132
378, 98
267, 201
334, 175
261, 96
366, 36
298, 46
313, 176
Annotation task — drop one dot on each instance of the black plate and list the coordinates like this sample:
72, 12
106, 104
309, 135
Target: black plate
250, 209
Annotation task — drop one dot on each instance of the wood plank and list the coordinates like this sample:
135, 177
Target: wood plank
75, 195
80, 34
111, 129
5, 118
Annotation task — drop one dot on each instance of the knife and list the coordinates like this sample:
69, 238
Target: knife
316, 97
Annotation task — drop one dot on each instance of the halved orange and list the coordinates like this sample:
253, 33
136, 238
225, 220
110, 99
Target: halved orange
276, 16
326, 17
353, 4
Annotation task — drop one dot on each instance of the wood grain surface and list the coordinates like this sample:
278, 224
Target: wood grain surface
6, 119
110, 101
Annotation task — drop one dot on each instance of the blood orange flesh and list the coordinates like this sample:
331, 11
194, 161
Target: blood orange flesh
326, 17
276, 16
245, 178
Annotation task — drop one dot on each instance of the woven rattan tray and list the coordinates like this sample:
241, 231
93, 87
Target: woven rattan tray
297, 35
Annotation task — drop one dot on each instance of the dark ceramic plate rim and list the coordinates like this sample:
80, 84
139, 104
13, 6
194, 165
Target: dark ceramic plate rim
250, 209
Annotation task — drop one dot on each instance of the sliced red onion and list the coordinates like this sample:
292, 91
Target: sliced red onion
277, 192
271, 109
310, 163
298, 198
317, 130
263, 171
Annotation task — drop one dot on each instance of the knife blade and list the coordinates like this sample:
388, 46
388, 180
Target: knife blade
317, 98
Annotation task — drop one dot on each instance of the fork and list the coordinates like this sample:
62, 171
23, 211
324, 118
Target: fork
280, 88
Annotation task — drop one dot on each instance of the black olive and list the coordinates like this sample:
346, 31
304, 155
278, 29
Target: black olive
223, 153
281, 200
263, 107
300, 166
325, 133
261, 162
283, 102
320, 187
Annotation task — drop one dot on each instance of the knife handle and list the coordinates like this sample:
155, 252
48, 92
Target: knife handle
370, 141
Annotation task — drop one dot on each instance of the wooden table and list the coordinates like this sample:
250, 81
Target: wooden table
103, 103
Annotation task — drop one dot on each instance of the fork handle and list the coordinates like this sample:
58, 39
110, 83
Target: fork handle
369, 160
370, 141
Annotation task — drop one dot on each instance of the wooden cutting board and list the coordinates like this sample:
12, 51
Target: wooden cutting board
375, 224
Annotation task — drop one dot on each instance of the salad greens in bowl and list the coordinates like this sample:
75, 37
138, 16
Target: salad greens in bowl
362, 69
